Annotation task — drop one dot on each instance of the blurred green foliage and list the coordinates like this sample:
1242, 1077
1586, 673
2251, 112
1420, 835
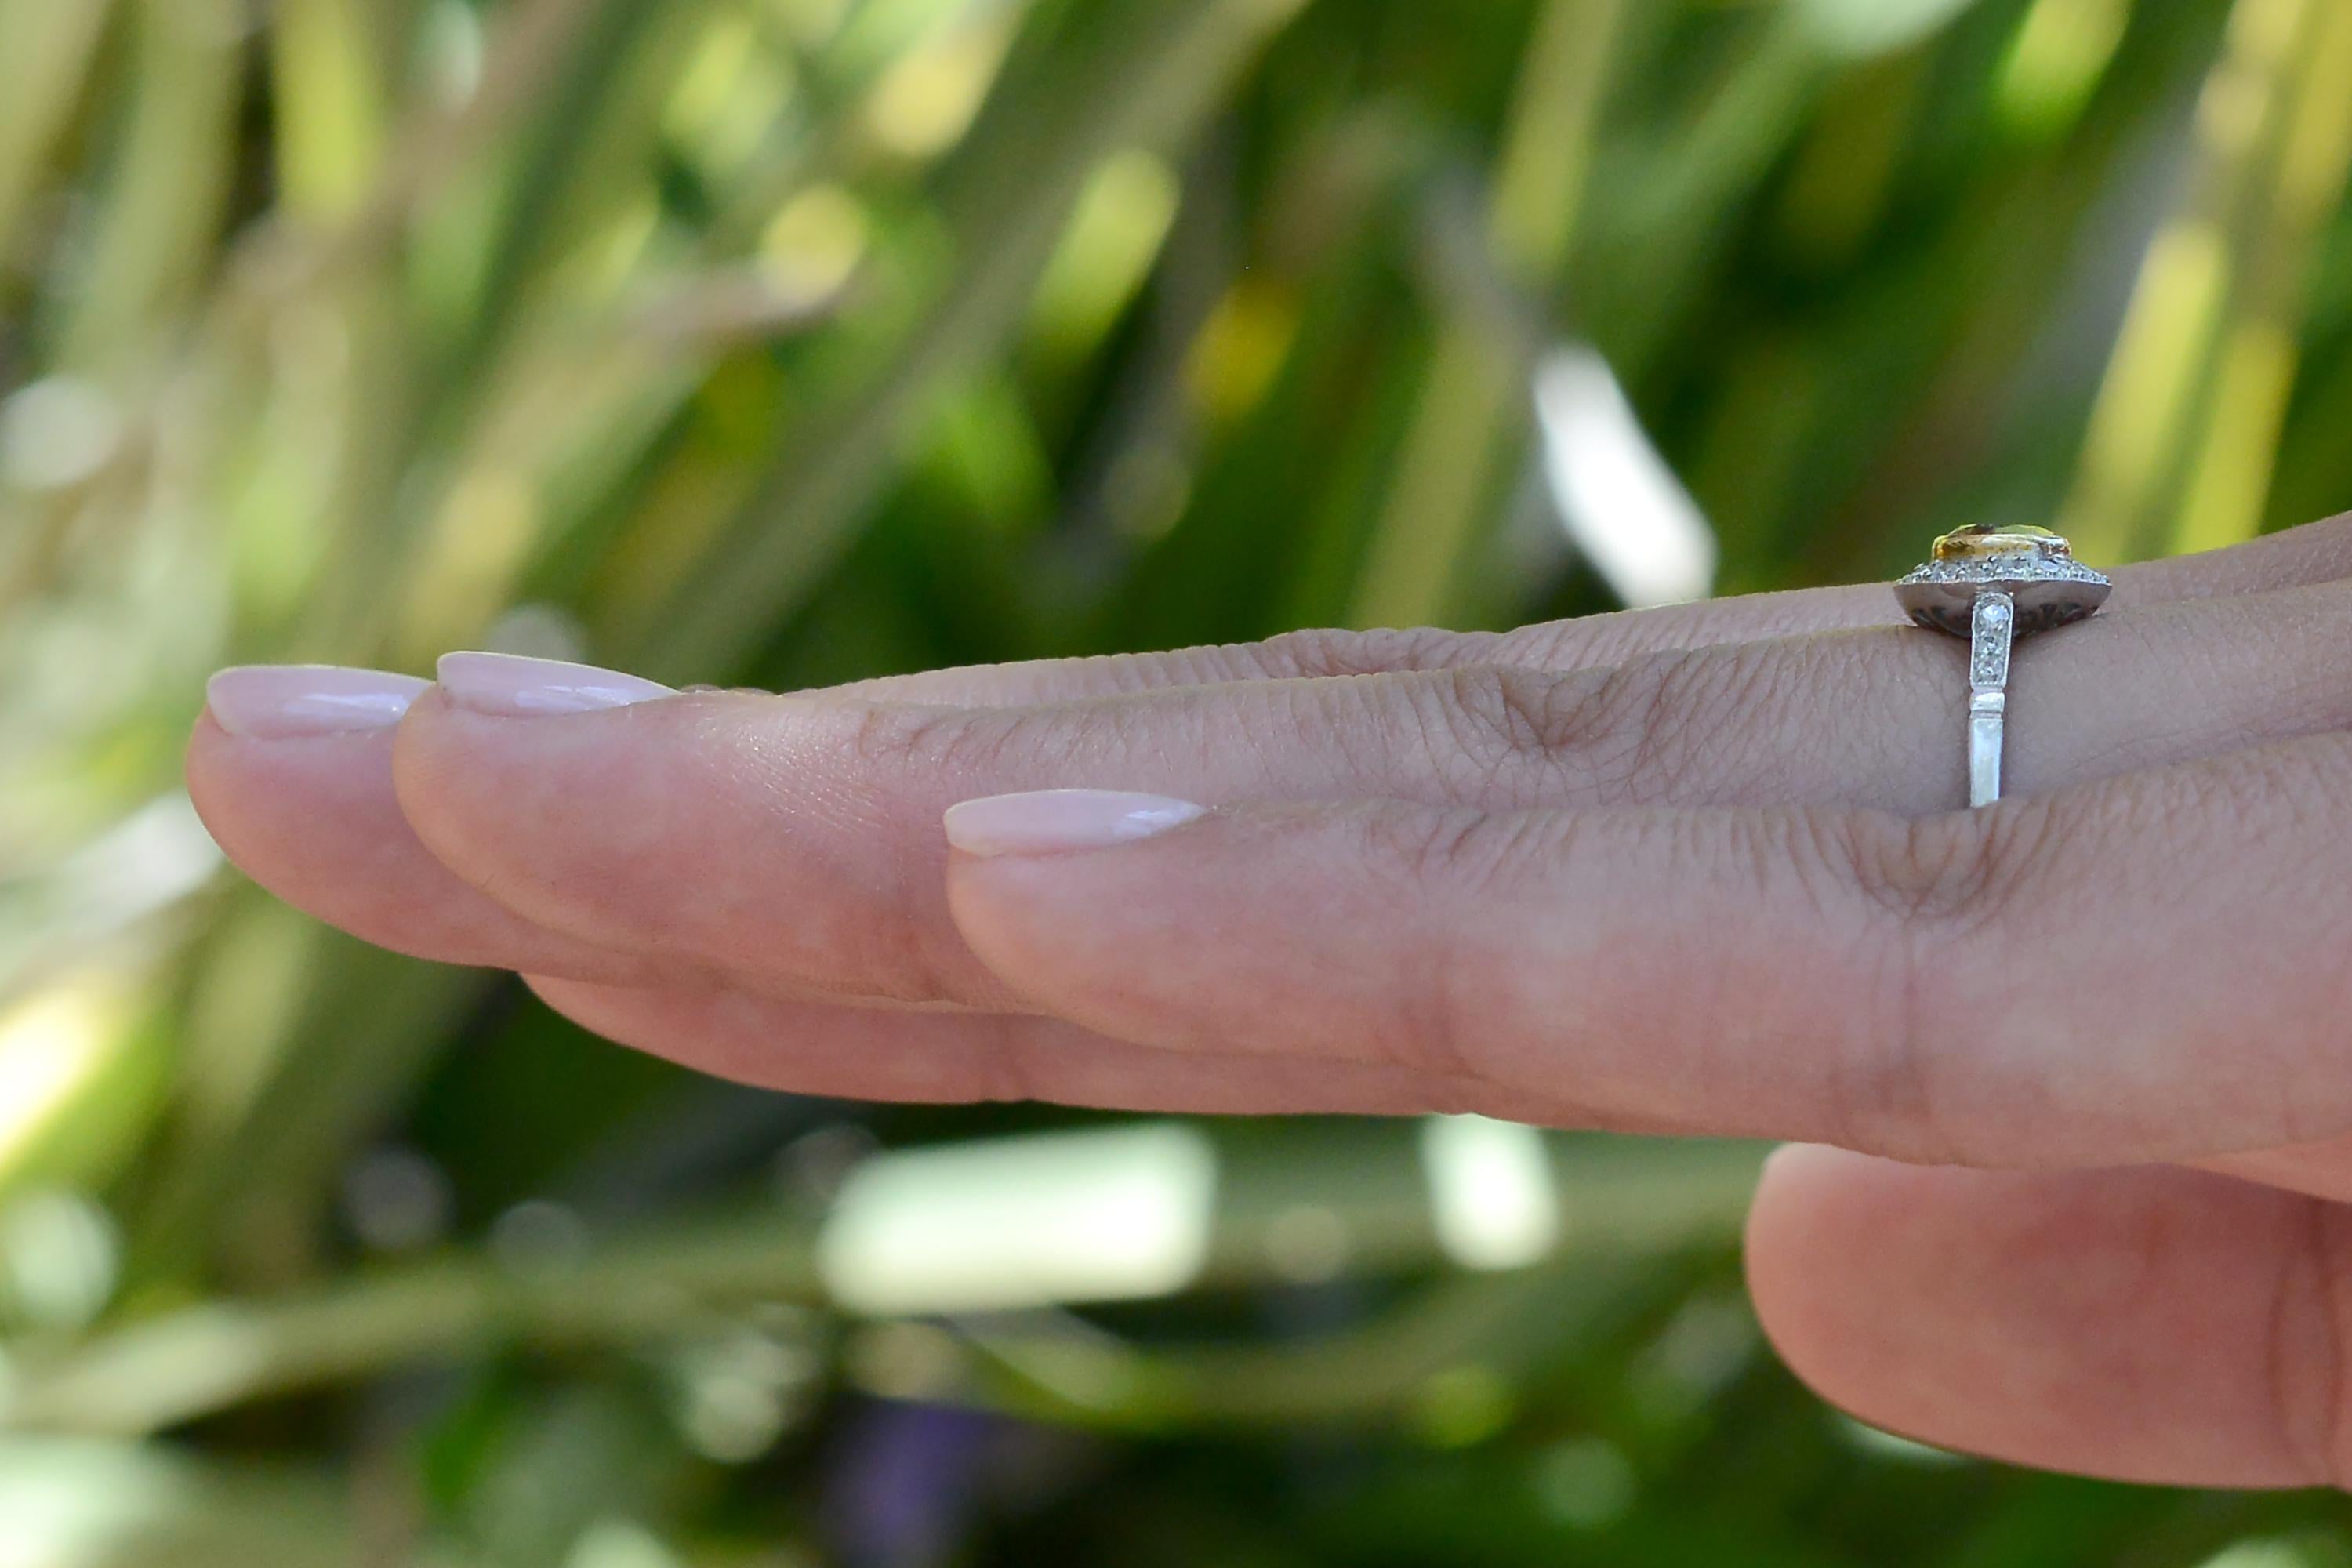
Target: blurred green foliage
790, 340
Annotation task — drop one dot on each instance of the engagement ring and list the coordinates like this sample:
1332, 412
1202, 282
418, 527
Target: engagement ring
1992, 585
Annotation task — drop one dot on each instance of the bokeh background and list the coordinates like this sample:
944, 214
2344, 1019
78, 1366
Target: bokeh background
783, 341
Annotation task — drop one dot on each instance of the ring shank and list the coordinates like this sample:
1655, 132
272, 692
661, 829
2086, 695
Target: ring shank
1986, 721
1993, 632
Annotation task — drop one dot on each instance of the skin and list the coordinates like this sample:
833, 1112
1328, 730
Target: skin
2067, 1080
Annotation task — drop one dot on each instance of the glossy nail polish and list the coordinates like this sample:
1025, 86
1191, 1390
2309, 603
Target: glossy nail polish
512, 686
290, 701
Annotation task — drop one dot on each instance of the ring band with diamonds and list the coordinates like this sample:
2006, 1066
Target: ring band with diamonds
1993, 585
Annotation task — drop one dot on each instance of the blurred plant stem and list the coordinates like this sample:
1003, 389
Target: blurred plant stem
2298, 189
197, 1361
1473, 402
327, 81
1491, 1326
1141, 74
1622, 1199
2181, 442
167, 189
248, 1189
42, 74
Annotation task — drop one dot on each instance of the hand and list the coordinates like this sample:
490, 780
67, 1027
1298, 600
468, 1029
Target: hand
1689, 870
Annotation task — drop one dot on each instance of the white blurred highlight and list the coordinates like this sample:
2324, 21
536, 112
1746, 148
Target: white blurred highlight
1618, 499
150, 860
56, 433
53, 1045
1122, 1215
1492, 1198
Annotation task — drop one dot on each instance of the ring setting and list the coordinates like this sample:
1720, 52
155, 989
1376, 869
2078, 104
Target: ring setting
1993, 583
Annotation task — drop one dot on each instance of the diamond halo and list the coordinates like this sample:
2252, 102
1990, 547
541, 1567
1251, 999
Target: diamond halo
2034, 566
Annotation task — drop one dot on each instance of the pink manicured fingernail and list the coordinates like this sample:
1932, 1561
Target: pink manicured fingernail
1047, 821
288, 702
513, 687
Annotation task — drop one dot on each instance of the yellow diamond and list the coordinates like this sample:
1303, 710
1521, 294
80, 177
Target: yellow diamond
1981, 540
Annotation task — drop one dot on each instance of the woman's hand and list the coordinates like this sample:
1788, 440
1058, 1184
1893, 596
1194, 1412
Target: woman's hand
1690, 870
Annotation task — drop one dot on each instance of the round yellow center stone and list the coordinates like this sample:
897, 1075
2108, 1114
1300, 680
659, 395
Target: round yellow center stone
1980, 539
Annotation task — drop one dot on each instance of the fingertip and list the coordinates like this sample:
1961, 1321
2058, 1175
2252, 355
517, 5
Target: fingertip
302, 702
314, 821
262, 800
199, 759
1807, 1209
2138, 1322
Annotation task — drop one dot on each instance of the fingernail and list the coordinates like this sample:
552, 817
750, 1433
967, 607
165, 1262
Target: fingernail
1047, 821
513, 687
287, 702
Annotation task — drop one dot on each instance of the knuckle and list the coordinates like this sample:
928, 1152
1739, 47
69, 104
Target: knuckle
1464, 850
891, 735
1950, 900
963, 743
1932, 885
1949, 874
1500, 716
1628, 733
1322, 652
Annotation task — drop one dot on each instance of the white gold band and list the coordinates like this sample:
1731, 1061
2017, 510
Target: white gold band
1992, 631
